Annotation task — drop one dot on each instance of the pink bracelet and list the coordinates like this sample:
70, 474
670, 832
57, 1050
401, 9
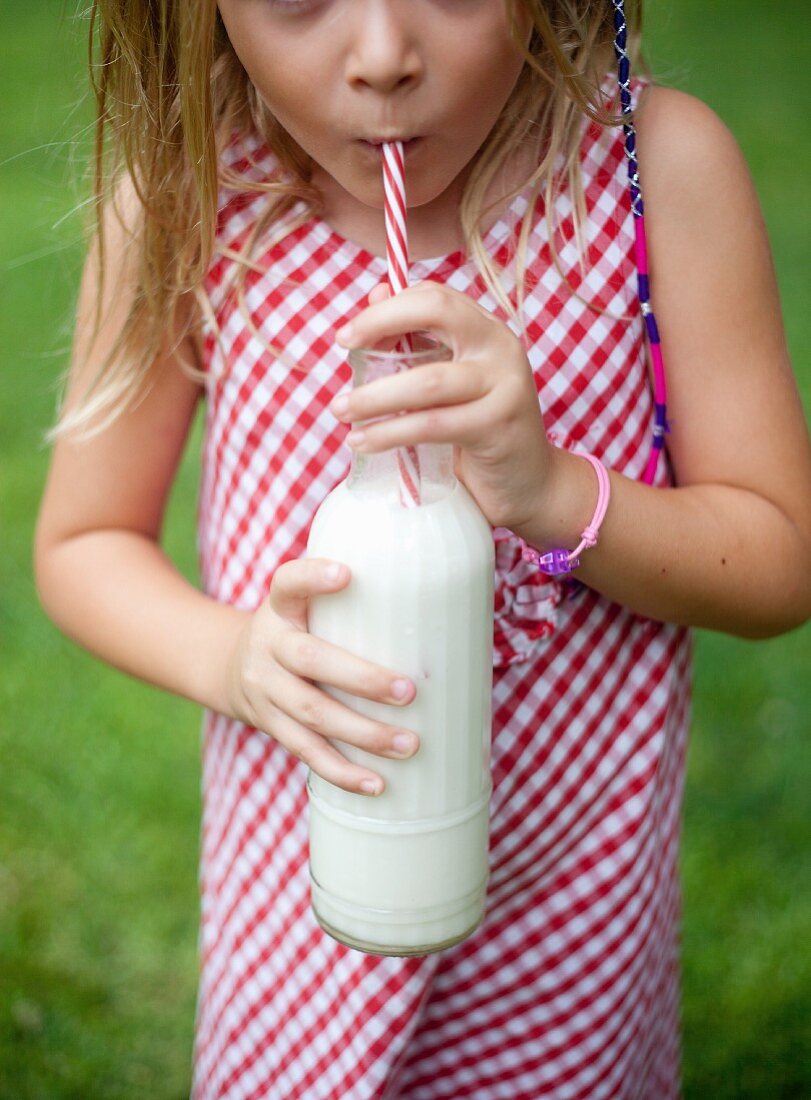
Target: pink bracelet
557, 562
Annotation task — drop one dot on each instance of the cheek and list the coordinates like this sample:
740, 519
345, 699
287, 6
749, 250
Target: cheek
481, 91
284, 84
276, 76
489, 63
291, 95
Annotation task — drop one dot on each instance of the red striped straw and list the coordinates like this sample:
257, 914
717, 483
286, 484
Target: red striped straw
408, 462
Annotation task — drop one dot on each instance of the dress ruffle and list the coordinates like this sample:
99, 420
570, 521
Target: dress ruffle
526, 603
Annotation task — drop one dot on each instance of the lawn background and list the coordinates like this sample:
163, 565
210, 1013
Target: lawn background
99, 775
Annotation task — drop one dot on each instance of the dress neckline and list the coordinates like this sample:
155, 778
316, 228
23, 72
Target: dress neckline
499, 231
262, 158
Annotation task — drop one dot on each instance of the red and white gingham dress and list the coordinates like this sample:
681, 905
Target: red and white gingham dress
569, 989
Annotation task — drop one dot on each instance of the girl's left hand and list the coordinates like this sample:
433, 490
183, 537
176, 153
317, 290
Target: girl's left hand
484, 400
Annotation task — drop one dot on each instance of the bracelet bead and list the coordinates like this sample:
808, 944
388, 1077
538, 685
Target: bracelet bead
558, 562
554, 562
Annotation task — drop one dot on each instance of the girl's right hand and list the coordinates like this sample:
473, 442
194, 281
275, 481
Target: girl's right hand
270, 674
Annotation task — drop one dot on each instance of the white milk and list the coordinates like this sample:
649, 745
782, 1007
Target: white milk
405, 872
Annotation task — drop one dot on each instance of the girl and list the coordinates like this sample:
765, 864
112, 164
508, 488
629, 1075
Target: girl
240, 229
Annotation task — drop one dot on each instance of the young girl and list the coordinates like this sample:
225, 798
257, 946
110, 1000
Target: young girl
240, 229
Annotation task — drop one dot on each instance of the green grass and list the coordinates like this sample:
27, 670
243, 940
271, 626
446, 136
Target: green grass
99, 775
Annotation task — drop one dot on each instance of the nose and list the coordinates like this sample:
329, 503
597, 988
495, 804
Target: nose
384, 52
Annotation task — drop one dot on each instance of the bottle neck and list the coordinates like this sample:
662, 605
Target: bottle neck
415, 475
398, 476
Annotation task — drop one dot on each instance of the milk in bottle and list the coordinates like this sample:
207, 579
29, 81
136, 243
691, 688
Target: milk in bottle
404, 873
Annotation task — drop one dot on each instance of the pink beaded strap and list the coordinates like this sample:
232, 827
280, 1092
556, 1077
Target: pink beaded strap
660, 424
557, 562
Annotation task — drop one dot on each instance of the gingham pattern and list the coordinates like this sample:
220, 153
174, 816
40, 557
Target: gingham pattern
570, 987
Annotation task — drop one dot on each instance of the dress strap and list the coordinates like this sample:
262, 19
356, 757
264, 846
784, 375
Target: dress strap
660, 424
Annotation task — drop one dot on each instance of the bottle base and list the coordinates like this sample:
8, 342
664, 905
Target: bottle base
394, 951
403, 932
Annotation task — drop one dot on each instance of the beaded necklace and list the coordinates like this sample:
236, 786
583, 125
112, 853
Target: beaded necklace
660, 425
559, 562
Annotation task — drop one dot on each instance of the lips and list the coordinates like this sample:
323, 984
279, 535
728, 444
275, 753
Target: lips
382, 140
375, 143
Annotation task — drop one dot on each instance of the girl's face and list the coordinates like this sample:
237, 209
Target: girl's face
335, 72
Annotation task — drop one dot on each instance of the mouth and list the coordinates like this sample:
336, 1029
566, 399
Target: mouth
375, 145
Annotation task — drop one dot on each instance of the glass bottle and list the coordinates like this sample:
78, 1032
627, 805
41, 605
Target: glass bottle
405, 872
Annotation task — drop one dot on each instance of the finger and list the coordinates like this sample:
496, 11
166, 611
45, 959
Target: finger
295, 582
379, 293
322, 757
312, 658
318, 711
452, 317
461, 425
418, 388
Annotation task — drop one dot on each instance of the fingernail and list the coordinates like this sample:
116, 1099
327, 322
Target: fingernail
340, 404
400, 689
332, 572
344, 335
369, 786
403, 742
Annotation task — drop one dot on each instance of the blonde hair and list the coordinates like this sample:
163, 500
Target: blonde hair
170, 93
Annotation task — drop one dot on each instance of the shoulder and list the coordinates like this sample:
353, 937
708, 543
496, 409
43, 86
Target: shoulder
682, 114
689, 159
714, 290
701, 206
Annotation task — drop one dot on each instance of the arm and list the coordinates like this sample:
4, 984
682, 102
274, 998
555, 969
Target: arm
104, 580
100, 572
730, 547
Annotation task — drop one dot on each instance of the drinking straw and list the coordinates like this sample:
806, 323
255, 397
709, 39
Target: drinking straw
408, 463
